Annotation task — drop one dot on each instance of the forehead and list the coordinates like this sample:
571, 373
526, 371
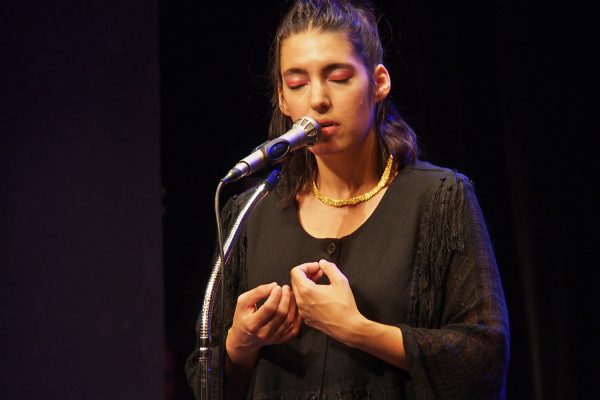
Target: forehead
313, 48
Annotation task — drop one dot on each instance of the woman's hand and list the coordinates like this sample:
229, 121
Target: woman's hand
332, 310
329, 308
276, 321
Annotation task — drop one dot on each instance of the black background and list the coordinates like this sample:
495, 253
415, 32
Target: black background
81, 271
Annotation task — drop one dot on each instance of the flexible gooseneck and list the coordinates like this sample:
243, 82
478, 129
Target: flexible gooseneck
210, 388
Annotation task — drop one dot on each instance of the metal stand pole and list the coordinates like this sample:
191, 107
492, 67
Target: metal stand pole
207, 381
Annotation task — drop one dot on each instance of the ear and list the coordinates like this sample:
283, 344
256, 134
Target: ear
383, 82
282, 104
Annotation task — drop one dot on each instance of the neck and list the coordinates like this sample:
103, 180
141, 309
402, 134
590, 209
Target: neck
350, 173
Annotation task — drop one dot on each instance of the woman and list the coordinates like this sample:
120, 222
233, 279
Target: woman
367, 273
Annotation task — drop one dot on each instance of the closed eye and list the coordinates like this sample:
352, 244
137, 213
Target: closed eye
340, 76
295, 82
296, 86
340, 81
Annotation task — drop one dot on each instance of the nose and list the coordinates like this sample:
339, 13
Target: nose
319, 97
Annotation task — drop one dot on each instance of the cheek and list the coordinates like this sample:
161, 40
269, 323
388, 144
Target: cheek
357, 99
295, 108
361, 108
368, 102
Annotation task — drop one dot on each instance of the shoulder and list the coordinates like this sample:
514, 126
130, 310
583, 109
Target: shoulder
233, 206
428, 173
264, 207
424, 180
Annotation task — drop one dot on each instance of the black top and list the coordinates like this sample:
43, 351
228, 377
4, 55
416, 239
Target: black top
422, 261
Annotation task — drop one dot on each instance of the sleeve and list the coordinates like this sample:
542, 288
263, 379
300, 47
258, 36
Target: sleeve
457, 341
234, 285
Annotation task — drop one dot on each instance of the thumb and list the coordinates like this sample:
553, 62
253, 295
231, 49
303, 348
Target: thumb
332, 272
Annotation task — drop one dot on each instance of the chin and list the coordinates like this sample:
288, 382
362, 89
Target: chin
325, 149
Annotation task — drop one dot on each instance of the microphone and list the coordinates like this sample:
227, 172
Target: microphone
305, 132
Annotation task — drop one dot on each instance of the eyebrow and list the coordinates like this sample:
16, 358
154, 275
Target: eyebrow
327, 69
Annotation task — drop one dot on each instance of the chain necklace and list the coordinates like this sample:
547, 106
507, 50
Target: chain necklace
358, 199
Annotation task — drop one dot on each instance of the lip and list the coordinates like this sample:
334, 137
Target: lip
328, 126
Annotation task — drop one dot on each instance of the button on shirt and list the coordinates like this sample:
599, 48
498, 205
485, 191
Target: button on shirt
330, 249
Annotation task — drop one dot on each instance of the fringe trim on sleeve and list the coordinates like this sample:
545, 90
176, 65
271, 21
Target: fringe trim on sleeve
441, 234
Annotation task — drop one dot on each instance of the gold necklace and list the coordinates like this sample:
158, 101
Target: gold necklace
358, 199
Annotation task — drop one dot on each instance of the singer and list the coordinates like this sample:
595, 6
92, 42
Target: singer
367, 273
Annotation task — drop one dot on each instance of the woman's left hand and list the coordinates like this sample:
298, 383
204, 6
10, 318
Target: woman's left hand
329, 308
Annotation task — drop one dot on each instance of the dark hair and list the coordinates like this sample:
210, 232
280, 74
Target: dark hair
358, 21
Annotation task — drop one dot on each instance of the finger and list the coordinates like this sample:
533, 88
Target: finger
283, 307
333, 273
259, 293
317, 276
291, 332
292, 314
309, 269
266, 312
292, 325
287, 311
300, 274
297, 282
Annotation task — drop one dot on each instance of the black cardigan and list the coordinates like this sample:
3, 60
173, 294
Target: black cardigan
422, 261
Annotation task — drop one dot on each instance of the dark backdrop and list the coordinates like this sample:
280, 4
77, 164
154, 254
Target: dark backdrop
488, 87
81, 272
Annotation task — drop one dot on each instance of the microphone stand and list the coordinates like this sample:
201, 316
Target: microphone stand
204, 337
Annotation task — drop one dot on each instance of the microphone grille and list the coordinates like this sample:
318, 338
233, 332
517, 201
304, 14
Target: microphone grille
312, 129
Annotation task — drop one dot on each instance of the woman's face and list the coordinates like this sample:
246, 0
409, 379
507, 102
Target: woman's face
323, 78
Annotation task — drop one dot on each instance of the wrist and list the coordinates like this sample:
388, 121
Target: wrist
357, 331
240, 349
382, 341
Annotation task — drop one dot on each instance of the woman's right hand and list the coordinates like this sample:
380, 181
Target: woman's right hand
276, 321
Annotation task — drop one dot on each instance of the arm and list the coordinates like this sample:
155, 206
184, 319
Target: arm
467, 356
